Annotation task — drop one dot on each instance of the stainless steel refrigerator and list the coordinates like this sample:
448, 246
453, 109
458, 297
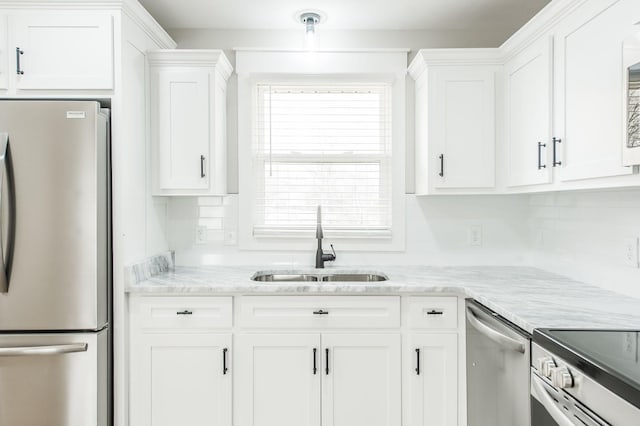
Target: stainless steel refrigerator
55, 264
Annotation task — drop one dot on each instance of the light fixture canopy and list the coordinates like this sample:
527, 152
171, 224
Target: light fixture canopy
310, 20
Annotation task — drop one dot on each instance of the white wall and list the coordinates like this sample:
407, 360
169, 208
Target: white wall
437, 234
583, 235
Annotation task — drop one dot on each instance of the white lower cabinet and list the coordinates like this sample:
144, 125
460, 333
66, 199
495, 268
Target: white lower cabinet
182, 379
198, 360
180, 366
276, 382
361, 380
434, 379
314, 379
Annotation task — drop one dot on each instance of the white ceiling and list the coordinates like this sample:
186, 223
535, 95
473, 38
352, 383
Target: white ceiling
436, 15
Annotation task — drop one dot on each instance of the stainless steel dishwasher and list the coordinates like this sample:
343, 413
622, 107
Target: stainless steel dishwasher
498, 369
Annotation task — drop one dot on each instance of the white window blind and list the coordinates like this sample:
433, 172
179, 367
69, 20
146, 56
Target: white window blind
327, 145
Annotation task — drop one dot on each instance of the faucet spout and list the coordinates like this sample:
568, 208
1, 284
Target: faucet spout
321, 256
319, 233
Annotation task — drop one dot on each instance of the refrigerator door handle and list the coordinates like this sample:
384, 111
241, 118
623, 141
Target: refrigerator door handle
5, 165
44, 350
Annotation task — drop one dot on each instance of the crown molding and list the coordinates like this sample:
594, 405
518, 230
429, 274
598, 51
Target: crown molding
439, 57
540, 24
138, 14
193, 57
132, 8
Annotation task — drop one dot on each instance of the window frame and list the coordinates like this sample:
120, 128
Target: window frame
367, 67
260, 160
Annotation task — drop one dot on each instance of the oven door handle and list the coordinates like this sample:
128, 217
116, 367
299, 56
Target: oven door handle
548, 403
496, 336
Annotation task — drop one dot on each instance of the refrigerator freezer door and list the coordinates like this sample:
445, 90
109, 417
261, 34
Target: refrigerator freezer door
57, 159
54, 379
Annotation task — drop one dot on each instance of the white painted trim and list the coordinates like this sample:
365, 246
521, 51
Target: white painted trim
193, 58
319, 63
319, 66
132, 8
537, 26
338, 50
448, 57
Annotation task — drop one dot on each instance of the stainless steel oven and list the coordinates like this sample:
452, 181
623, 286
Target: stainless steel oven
563, 395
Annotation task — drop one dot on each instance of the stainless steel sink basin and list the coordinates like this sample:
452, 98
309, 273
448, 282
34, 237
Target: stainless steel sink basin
355, 277
275, 277
324, 277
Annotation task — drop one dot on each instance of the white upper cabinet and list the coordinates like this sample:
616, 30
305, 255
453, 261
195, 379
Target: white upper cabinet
455, 120
61, 50
589, 87
529, 81
188, 121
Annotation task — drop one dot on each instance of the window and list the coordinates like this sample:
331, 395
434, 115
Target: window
321, 128
322, 144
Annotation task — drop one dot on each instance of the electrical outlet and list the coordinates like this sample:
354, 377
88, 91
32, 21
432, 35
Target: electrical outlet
475, 235
201, 234
631, 252
230, 238
630, 345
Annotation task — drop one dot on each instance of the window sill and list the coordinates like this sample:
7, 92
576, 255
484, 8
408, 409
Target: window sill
306, 233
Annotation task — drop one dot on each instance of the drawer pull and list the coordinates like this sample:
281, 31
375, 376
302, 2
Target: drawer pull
320, 312
185, 312
434, 312
224, 361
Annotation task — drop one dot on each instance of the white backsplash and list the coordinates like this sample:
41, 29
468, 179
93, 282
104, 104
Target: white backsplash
583, 235
437, 234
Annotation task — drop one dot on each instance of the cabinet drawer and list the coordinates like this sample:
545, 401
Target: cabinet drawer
182, 312
318, 312
433, 312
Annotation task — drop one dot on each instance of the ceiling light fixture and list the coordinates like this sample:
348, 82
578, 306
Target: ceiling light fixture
310, 20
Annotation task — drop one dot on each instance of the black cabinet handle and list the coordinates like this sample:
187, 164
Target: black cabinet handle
185, 312
326, 364
202, 166
320, 312
19, 52
540, 165
224, 360
315, 365
555, 161
441, 174
418, 361
434, 312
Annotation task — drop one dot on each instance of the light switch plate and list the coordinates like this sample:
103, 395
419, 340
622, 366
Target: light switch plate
475, 235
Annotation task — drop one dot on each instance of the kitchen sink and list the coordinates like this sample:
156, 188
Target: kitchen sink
322, 277
355, 277
277, 277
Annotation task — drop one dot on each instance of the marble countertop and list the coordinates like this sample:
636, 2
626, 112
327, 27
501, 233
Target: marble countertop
528, 297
